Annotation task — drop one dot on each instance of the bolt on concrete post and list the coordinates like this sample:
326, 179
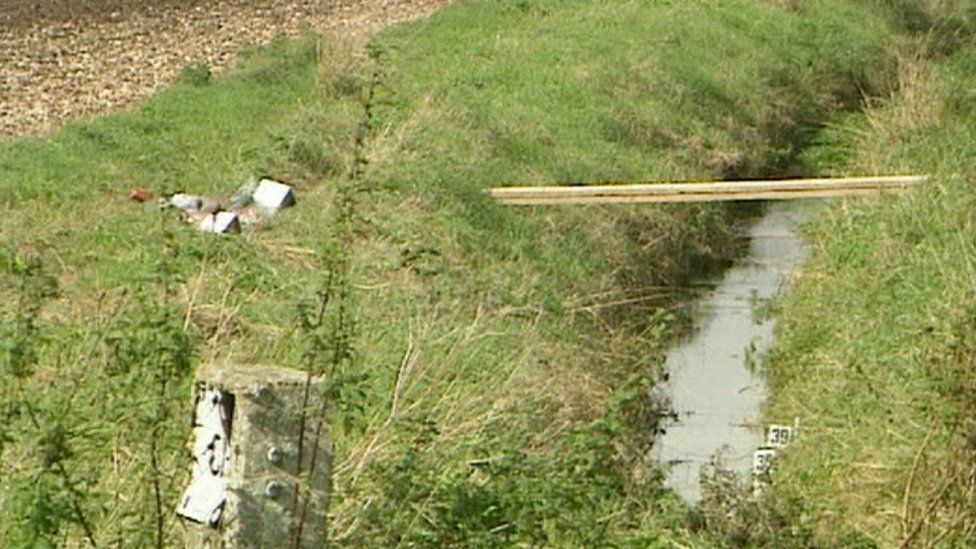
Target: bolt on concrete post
246, 440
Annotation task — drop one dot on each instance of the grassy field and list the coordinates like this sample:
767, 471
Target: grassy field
489, 368
876, 346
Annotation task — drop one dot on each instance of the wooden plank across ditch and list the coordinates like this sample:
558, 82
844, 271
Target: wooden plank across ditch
786, 189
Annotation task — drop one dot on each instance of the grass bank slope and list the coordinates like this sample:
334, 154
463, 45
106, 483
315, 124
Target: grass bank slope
876, 345
489, 367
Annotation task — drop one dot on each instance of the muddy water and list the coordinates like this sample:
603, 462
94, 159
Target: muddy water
715, 392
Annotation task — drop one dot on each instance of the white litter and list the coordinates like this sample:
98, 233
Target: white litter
220, 222
273, 196
251, 205
185, 202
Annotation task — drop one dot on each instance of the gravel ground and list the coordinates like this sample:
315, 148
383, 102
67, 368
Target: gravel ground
62, 59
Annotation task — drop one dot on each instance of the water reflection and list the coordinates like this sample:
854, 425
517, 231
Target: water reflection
715, 395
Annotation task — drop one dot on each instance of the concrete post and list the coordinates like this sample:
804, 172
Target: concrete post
247, 439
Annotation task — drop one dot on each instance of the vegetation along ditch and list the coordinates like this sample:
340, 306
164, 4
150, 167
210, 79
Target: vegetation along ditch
490, 369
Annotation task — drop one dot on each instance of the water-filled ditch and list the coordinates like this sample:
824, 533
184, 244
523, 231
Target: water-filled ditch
715, 389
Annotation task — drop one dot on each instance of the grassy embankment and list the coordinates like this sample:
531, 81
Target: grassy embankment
489, 366
877, 344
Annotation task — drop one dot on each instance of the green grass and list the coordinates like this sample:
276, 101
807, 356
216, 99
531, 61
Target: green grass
520, 391
876, 343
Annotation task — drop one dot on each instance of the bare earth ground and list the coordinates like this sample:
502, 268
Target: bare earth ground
62, 59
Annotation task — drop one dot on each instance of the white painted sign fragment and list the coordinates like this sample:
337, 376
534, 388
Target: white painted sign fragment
206, 496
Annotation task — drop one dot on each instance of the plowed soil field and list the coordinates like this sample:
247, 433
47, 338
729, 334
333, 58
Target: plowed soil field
63, 59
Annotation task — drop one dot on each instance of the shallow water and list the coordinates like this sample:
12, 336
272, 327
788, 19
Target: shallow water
715, 394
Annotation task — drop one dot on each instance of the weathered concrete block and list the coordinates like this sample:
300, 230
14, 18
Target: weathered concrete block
252, 439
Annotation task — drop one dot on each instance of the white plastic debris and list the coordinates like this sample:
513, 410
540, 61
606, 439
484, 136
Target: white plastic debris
220, 222
185, 202
252, 204
273, 196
